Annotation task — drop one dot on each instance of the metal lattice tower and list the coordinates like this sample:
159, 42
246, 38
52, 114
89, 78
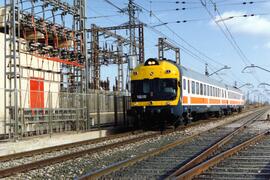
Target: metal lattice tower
120, 82
132, 9
15, 25
132, 22
95, 57
164, 45
81, 77
12, 72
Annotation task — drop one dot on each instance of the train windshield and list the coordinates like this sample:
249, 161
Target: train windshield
153, 90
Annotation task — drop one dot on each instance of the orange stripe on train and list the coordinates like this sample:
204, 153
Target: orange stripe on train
197, 100
185, 99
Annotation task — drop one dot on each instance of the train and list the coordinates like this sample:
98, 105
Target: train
164, 93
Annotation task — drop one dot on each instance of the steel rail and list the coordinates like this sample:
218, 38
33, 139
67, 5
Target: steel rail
85, 142
213, 148
61, 147
220, 157
130, 162
42, 163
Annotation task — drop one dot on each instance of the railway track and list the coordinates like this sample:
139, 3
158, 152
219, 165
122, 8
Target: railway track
38, 159
177, 154
251, 163
25, 161
20, 155
239, 166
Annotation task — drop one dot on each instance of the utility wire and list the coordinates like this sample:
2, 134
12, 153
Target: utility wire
189, 52
103, 16
182, 39
244, 3
176, 34
112, 4
207, 19
195, 56
230, 38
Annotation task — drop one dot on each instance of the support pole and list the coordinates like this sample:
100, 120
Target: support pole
164, 45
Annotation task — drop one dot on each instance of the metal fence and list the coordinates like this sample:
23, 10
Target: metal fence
45, 112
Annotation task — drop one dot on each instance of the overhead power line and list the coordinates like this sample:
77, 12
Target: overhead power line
185, 7
207, 19
112, 4
194, 52
228, 35
182, 39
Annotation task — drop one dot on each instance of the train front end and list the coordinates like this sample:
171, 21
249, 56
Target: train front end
155, 93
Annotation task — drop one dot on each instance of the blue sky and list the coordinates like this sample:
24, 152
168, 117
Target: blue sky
252, 34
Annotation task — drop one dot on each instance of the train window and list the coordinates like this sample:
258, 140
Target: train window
210, 90
188, 87
156, 89
207, 91
146, 87
201, 89
197, 88
184, 84
204, 89
193, 87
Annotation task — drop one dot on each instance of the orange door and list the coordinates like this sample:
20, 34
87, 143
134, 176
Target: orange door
36, 93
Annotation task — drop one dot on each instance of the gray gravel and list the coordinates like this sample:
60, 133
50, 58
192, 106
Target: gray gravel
89, 163
25, 160
178, 156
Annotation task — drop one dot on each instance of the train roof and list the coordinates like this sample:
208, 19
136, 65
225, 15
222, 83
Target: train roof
203, 78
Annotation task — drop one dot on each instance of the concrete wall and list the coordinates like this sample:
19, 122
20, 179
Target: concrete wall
107, 103
51, 81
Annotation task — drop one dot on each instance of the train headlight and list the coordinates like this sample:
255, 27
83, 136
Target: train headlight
135, 73
168, 103
151, 62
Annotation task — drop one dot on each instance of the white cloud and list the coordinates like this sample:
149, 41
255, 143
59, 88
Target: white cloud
255, 25
267, 45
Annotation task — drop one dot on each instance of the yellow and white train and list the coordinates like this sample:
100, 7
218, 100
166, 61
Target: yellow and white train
166, 93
